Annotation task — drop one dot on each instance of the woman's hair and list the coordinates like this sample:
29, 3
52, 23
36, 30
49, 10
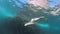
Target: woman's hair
13, 25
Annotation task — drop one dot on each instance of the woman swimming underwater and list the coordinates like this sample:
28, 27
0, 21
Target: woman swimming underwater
26, 24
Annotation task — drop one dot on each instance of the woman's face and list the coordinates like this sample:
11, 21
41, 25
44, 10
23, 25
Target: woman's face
42, 3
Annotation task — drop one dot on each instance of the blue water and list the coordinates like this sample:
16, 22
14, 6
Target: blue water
8, 9
52, 26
